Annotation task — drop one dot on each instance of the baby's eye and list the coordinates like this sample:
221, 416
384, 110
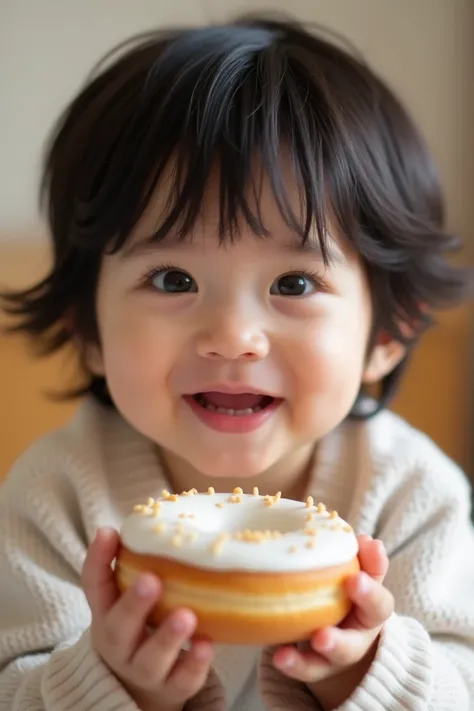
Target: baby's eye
294, 285
172, 281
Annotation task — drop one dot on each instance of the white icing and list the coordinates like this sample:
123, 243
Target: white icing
193, 540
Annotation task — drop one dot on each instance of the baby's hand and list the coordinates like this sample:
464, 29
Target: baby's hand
151, 666
337, 658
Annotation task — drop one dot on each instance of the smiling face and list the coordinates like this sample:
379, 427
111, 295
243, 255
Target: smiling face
187, 328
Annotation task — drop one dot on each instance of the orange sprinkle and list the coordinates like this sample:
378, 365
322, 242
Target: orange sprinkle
173, 497
249, 536
311, 544
311, 531
309, 502
292, 549
211, 491
219, 542
255, 491
182, 515
333, 515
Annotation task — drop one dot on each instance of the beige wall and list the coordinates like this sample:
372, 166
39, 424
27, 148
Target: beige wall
425, 48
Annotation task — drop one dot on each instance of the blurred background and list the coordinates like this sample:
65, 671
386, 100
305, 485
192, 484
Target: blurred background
424, 48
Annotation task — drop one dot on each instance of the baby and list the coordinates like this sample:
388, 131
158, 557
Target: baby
248, 242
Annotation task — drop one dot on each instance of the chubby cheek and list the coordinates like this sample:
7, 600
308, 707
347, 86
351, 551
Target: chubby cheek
326, 377
137, 361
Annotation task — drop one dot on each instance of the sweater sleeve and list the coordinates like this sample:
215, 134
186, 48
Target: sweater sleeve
425, 659
46, 658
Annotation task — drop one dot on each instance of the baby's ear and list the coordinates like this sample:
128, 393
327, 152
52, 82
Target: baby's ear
93, 359
386, 354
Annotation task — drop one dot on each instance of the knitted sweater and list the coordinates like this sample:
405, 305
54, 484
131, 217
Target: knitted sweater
385, 478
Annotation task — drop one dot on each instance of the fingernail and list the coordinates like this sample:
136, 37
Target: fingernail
364, 584
202, 652
181, 624
381, 547
326, 646
288, 661
144, 587
103, 533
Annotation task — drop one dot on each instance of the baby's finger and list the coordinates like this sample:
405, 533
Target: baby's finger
373, 558
305, 666
343, 647
156, 657
373, 604
190, 673
123, 629
98, 580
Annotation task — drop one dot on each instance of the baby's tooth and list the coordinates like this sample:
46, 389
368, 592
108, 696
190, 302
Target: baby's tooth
230, 411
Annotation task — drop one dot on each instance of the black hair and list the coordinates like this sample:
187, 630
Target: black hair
224, 95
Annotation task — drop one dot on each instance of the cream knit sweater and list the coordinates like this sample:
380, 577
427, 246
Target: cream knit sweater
385, 478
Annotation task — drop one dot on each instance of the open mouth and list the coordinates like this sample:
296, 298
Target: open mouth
235, 404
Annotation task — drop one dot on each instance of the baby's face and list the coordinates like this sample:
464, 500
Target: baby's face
259, 316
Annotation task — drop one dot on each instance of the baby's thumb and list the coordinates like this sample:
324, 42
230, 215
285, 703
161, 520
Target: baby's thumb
98, 579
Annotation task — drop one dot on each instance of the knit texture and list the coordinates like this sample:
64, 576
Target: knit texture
384, 477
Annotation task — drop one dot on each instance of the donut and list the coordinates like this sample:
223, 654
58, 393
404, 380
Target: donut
255, 569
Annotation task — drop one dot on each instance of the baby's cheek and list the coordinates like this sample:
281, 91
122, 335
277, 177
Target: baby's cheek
327, 358
136, 364
326, 381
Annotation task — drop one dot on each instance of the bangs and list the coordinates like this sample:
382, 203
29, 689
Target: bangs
239, 105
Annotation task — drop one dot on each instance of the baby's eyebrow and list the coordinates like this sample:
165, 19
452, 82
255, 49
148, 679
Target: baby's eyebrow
312, 247
150, 245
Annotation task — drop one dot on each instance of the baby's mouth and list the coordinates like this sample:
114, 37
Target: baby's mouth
234, 404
